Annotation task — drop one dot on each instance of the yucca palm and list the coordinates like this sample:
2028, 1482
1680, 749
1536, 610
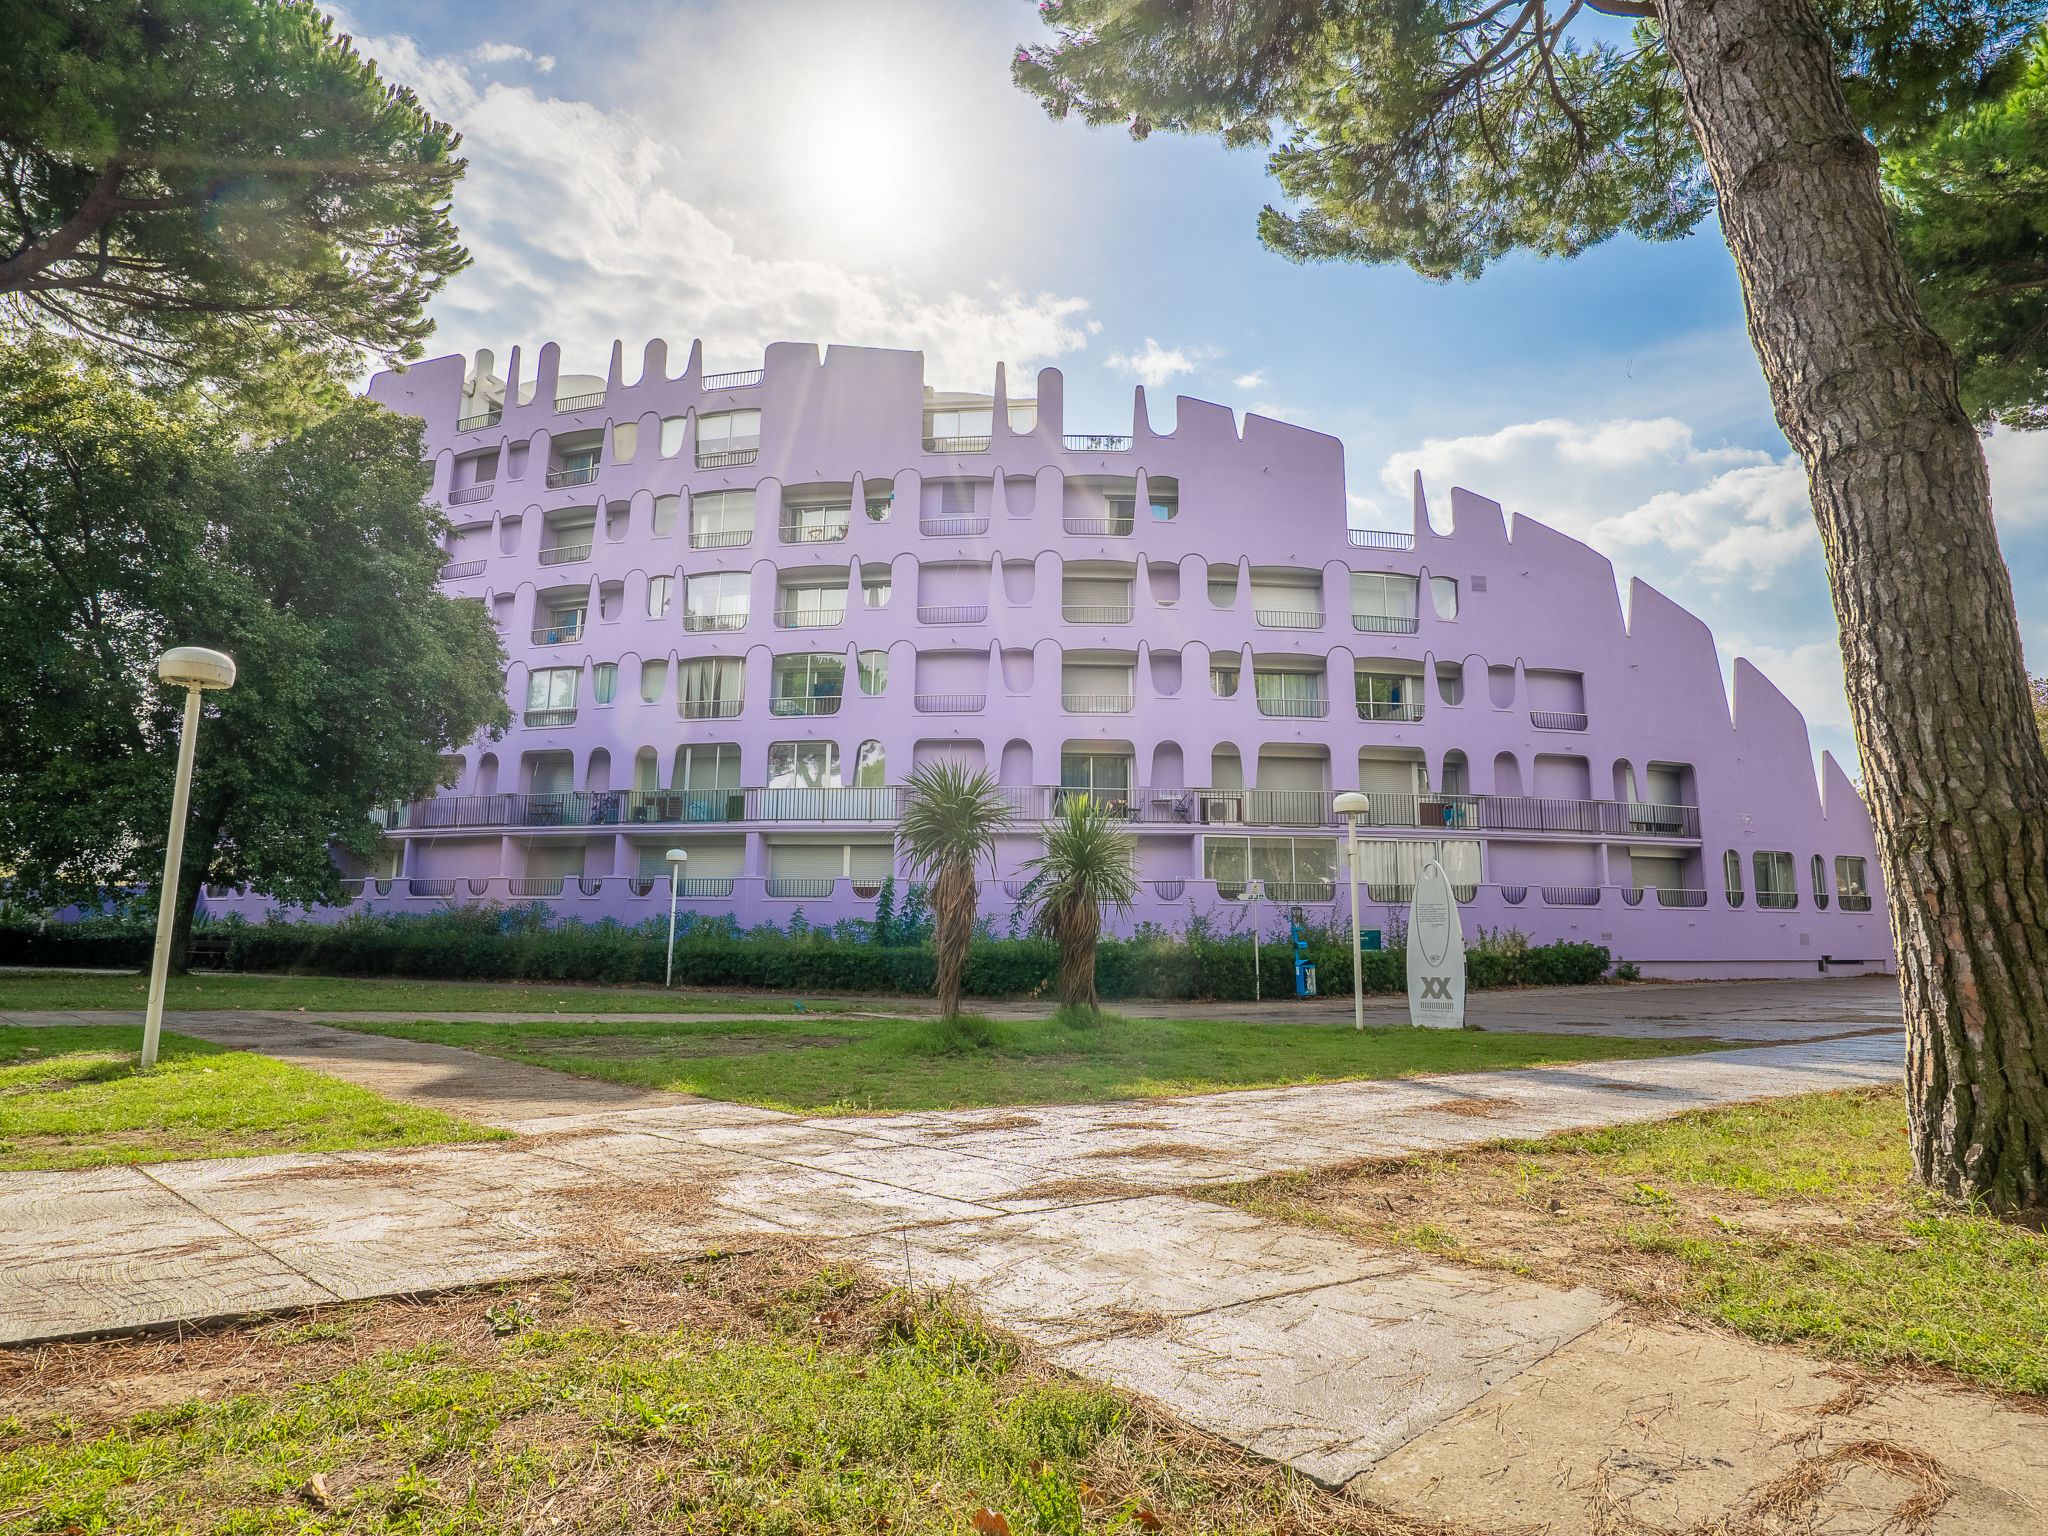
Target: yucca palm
1088, 864
948, 826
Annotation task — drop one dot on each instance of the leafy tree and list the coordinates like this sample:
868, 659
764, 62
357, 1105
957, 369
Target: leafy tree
126, 528
1450, 132
1088, 863
219, 189
948, 827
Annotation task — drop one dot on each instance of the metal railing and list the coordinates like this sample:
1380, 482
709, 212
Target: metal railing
1514, 895
1294, 709
549, 719
566, 403
709, 709
952, 613
871, 803
430, 887
1680, 896
548, 886
1287, 618
1556, 720
746, 378
557, 634
461, 569
1391, 894
787, 888
1284, 892
812, 618
727, 458
949, 703
720, 538
713, 623
821, 533
1408, 710
1455, 812
956, 445
1852, 903
565, 554
952, 527
488, 418
1571, 895
1777, 901
463, 495
704, 885
1095, 613
1096, 442
1378, 538
1169, 890
827, 705
1382, 624
1530, 813
1096, 703
583, 474
1098, 527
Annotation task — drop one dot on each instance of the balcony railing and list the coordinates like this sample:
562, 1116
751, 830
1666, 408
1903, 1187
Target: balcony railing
1571, 895
1096, 703
1383, 624
815, 533
746, 378
809, 618
566, 403
705, 885
713, 623
727, 458
461, 570
565, 554
949, 703
956, 445
1096, 442
1556, 720
478, 422
1406, 710
1454, 812
1098, 527
952, 527
1169, 890
709, 709
1285, 892
530, 886
463, 495
1096, 613
558, 634
807, 888
430, 887
826, 705
1777, 901
1294, 709
1378, 538
582, 474
550, 719
1623, 818
952, 613
720, 538
1680, 896
1851, 903
1288, 618
863, 803
1514, 895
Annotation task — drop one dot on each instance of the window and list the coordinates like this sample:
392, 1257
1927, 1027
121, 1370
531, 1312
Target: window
820, 522
1222, 585
1164, 507
721, 519
1024, 417
579, 460
1102, 775
1287, 692
653, 679
1850, 885
870, 767
710, 689
876, 586
604, 682
1450, 682
712, 767
812, 605
1774, 888
879, 507
1293, 868
803, 765
1443, 592
968, 423
665, 510
809, 676
1223, 680
1819, 870
1121, 510
552, 687
625, 441
956, 498
659, 590
717, 600
728, 437
1388, 696
1383, 603
1731, 874
874, 672
483, 468
673, 430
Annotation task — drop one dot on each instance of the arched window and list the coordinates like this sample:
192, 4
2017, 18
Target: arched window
1820, 883
870, 767
1731, 871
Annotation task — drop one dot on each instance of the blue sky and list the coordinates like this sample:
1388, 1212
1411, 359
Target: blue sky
813, 170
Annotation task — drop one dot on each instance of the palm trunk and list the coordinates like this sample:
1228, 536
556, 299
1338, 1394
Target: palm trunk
1078, 927
953, 904
1866, 393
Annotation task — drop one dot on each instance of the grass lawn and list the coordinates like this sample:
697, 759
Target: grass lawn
78, 989
856, 1065
761, 1395
71, 1097
1792, 1220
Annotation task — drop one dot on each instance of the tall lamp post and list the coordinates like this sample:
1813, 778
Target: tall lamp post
194, 669
677, 858
1351, 805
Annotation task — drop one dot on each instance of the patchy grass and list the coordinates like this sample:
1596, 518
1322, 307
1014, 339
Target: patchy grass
762, 1393
1793, 1220
227, 989
897, 1064
72, 1097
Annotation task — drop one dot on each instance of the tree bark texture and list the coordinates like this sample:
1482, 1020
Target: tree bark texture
1866, 393
1077, 927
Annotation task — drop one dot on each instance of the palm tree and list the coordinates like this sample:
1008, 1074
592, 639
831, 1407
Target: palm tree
949, 824
1087, 864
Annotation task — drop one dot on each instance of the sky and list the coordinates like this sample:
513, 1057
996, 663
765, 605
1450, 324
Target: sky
750, 171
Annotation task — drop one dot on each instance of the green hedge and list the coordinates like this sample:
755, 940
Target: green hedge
490, 944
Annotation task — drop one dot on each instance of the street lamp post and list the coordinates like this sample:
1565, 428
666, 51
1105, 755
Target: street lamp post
677, 858
1258, 894
1351, 805
194, 669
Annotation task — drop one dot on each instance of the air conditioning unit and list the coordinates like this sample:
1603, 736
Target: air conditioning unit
1228, 809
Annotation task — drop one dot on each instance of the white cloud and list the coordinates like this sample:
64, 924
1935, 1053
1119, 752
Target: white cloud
505, 53
2018, 462
1250, 380
1633, 487
1810, 675
1152, 365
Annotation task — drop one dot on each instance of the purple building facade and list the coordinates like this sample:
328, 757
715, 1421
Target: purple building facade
741, 607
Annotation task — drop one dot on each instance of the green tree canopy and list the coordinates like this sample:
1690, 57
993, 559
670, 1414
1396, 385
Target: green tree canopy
218, 189
126, 528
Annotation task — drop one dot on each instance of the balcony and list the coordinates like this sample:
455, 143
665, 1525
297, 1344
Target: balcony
1287, 618
558, 634
564, 404
549, 719
727, 458
565, 554
430, 888
807, 888
1378, 538
949, 703
1293, 893
527, 886
858, 803
952, 613
1096, 442
1095, 613
952, 527
1556, 720
478, 422
1406, 711
1294, 709
709, 709
1597, 818
809, 618
464, 495
745, 379
1381, 624
956, 445
713, 623
1453, 812
462, 570
1777, 901
829, 532
825, 705
1096, 703
1852, 903
1098, 527
1680, 896
582, 474
720, 538
1571, 895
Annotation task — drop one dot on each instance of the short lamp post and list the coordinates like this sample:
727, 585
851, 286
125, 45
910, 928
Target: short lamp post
1258, 894
1351, 805
194, 669
677, 858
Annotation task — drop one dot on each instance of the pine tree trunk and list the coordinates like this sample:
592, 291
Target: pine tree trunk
1866, 393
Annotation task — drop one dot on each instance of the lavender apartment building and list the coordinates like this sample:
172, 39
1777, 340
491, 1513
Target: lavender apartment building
741, 607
